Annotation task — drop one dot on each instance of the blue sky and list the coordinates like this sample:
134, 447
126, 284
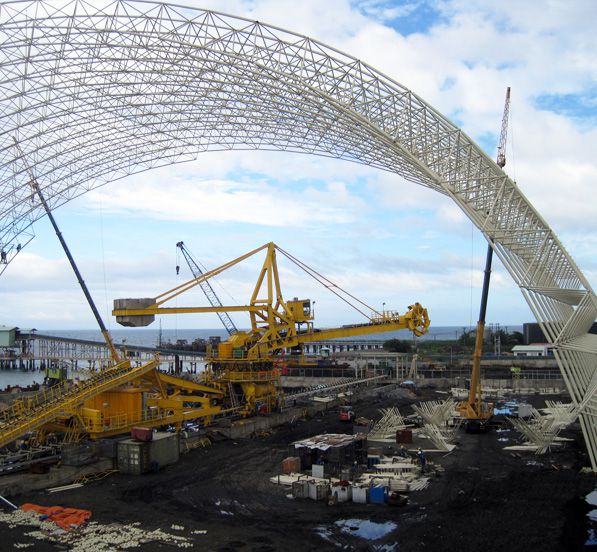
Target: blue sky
384, 239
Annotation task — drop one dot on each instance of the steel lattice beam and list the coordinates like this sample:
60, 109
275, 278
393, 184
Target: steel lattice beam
93, 94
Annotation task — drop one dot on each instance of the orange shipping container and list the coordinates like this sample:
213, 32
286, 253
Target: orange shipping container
404, 436
292, 464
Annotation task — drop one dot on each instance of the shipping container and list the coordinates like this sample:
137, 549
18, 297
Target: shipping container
404, 436
164, 449
136, 457
108, 448
292, 464
133, 457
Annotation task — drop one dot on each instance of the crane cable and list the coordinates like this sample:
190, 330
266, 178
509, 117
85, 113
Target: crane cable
472, 273
215, 279
325, 282
102, 245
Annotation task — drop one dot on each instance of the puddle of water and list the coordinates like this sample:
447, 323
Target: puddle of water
591, 542
364, 528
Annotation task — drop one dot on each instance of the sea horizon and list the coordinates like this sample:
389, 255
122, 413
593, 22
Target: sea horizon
149, 337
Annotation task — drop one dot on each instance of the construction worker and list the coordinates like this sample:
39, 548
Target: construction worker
422, 460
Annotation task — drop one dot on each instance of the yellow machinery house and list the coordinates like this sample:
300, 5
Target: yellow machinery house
112, 409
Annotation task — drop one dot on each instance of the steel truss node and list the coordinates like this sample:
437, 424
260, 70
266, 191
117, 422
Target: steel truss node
93, 94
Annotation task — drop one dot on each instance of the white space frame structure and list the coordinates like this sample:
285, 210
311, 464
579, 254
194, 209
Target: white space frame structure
92, 94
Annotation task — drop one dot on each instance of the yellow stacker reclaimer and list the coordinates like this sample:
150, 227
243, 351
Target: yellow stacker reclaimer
247, 365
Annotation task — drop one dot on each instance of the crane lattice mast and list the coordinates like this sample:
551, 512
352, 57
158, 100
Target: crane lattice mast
501, 153
473, 408
213, 299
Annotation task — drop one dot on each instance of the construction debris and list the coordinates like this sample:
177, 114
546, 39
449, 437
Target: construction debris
438, 422
442, 437
380, 482
93, 536
541, 432
436, 412
65, 487
385, 430
563, 413
329, 451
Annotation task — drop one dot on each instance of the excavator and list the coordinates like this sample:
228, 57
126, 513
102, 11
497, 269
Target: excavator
246, 366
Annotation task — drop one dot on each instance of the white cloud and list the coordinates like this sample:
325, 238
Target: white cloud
461, 66
256, 202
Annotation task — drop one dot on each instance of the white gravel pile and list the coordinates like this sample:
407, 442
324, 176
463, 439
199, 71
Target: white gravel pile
92, 537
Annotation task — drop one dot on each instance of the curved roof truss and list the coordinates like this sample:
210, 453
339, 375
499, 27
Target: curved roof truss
93, 94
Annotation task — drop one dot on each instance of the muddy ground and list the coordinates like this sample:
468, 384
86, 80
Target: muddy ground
484, 499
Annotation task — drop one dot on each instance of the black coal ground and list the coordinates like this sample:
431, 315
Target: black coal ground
485, 498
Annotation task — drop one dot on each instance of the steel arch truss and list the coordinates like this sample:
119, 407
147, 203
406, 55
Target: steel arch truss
94, 94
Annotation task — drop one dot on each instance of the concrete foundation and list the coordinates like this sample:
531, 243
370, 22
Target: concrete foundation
13, 485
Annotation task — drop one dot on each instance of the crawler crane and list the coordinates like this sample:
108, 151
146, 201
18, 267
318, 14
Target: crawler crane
111, 401
246, 364
474, 410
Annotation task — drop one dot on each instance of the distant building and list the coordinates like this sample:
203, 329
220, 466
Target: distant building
534, 350
533, 334
7, 336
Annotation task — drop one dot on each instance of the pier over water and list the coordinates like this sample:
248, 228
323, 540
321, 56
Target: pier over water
34, 351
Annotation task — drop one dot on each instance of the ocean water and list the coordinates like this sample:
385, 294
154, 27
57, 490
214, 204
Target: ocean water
150, 337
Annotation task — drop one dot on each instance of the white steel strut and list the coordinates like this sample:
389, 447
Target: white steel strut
93, 92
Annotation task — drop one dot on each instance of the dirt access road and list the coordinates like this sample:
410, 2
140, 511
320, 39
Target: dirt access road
484, 499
